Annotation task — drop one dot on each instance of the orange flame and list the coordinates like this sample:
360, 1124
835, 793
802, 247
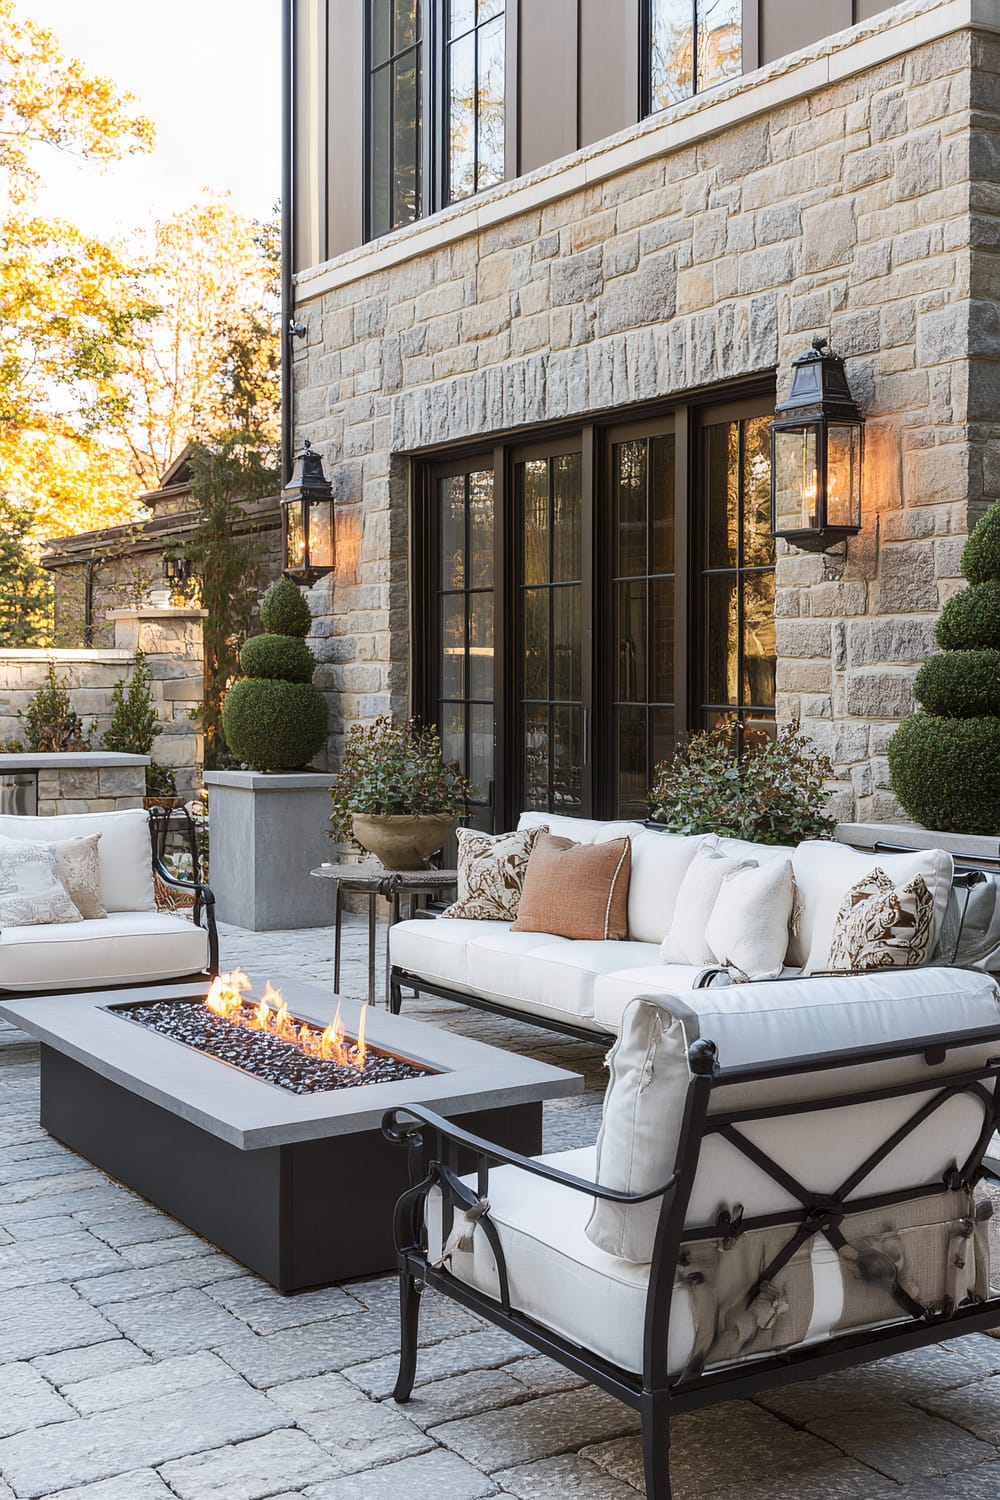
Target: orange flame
271, 1014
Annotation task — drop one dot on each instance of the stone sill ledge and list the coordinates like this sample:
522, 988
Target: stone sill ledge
65, 657
68, 760
913, 836
798, 75
168, 613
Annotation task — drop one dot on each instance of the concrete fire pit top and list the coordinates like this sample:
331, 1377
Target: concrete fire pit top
250, 1113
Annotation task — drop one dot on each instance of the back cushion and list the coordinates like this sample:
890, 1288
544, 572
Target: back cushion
580, 830
757, 1023
824, 873
123, 851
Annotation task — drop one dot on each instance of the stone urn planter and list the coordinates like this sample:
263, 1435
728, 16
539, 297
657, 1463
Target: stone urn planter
402, 842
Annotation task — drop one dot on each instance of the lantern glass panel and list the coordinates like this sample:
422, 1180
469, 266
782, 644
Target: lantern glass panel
796, 479
321, 534
295, 536
843, 474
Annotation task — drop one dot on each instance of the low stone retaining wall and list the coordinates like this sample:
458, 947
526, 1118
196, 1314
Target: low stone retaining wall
172, 642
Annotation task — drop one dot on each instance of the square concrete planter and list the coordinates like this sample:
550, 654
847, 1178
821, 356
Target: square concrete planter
266, 832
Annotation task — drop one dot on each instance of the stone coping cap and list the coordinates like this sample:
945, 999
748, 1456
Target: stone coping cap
65, 655
913, 836
156, 614
271, 781
68, 760
250, 1113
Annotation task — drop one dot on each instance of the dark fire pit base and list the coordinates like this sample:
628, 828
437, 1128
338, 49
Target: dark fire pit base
301, 1215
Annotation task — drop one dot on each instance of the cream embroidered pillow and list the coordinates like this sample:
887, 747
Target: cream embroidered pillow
31, 892
491, 873
79, 868
748, 928
685, 943
883, 926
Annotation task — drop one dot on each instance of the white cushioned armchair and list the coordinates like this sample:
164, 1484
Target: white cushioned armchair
135, 943
784, 1185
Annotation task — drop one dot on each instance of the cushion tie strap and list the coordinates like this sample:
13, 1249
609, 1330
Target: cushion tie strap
463, 1232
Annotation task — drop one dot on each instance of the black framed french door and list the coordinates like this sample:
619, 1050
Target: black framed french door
551, 630
581, 603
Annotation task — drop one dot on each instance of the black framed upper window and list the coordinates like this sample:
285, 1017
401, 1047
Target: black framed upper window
475, 69
395, 113
691, 45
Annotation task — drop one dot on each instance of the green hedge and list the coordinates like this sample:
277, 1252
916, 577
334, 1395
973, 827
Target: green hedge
277, 656
284, 611
946, 772
960, 684
970, 621
274, 726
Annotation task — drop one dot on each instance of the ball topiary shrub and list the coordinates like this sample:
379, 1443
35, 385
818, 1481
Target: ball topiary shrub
273, 718
283, 656
970, 621
981, 555
960, 684
284, 611
946, 772
944, 763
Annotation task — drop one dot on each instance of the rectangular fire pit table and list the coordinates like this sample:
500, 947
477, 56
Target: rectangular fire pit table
298, 1187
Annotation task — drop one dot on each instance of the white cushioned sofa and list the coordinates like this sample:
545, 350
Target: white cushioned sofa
582, 988
783, 1186
135, 943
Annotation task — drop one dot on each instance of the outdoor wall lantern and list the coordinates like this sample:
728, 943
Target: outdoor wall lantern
176, 567
307, 527
816, 443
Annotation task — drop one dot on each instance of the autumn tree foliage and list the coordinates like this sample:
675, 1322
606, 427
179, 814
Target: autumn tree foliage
112, 354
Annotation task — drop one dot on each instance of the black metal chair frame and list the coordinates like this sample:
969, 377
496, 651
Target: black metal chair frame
439, 1151
204, 897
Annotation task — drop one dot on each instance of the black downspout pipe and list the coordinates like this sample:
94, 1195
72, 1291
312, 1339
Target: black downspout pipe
287, 237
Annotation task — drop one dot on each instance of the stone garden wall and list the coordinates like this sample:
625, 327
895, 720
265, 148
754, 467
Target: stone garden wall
830, 194
172, 642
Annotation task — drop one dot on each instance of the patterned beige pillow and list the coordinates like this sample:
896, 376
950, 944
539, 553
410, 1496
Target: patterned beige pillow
491, 873
31, 892
883, 926
80, 872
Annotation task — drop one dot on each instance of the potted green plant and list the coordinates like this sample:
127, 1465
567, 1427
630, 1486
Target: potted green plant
773, 792
395, 795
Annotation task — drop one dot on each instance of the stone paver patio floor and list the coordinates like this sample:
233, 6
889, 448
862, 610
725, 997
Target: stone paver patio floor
137, 1363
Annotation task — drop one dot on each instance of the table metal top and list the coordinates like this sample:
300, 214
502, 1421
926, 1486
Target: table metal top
370, 874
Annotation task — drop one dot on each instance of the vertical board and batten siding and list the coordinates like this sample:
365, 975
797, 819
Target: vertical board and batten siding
573, 79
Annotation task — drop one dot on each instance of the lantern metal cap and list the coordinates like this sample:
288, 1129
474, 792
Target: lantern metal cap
819, 387
308, 478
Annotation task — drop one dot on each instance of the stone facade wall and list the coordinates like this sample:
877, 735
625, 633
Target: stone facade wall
172, 642
844, 210
87, 789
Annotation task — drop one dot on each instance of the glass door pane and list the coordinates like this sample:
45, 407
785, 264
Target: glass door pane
552, 727
642, 516
462, 554
737, 576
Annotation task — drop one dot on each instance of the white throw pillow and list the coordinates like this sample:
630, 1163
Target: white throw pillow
660, 861
685, 943
824, 873
643, 1108
748, 928
31, 893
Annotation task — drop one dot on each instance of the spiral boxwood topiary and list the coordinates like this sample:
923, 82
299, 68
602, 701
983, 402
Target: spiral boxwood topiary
284, 611
946, 772
970, 621
282, 656
944, 763
273, 718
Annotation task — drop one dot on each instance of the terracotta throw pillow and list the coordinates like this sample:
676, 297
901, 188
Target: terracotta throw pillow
576, 890
883, 926
491, 873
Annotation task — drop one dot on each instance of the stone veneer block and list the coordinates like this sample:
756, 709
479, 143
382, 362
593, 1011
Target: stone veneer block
266, 833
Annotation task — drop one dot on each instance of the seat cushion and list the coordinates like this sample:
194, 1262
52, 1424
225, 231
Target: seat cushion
566, 1283
554, 977
616, 987
436, 949
121, 948
124, 850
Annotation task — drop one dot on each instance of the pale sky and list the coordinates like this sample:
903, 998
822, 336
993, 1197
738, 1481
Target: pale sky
208, 73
